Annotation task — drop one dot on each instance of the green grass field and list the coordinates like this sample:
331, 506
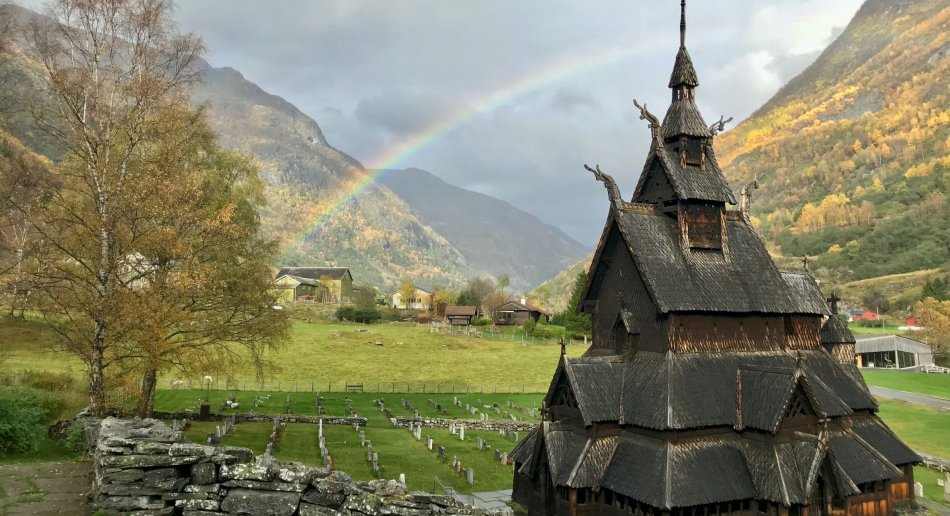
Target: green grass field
887, 329
936, 385
386, 357
398, 453
928, 478
922, 428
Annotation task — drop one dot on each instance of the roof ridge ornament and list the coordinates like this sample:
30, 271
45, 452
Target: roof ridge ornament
745, 196
654, 122
616, 200
719, 126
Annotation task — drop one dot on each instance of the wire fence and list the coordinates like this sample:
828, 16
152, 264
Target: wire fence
358, 386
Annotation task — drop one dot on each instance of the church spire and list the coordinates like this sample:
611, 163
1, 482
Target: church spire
682, 23
684, 75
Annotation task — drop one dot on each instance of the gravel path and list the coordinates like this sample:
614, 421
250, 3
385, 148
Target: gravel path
910, 397
45, 488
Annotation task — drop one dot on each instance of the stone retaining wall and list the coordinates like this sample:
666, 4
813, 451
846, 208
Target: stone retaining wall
405, 422
144, 467
264, 418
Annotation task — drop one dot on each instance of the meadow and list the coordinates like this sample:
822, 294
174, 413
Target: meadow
406, 361
326, 356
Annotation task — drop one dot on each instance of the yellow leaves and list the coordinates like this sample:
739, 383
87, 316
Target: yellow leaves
859, 191
756, 222
927, 168
877, 185
834, 249
934, 316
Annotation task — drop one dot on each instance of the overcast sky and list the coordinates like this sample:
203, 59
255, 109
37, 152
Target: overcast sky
516, 95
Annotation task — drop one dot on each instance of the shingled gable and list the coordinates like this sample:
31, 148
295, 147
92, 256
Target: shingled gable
715, 383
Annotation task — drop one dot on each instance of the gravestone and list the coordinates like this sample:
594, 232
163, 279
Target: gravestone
504, 458
470, 476
462, 433
429, 443
442, 452
514, 436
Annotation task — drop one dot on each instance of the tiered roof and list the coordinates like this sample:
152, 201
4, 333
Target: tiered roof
684, 428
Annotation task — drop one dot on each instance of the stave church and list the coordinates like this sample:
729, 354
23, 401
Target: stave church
716, 383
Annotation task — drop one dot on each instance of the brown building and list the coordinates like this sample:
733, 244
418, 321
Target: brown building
716, 384
460, 315
517, 313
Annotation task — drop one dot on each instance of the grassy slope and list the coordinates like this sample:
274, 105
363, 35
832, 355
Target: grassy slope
325, 352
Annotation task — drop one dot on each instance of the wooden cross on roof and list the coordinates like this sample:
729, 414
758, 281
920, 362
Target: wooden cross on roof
805, 262
833, 302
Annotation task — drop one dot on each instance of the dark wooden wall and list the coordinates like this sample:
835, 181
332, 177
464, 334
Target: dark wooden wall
698, 332
623, 289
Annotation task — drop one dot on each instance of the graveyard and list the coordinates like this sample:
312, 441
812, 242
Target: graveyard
460, 456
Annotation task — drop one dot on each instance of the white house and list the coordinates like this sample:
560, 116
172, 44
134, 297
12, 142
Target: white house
421, 300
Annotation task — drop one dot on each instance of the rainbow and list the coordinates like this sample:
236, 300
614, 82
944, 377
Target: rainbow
396, 156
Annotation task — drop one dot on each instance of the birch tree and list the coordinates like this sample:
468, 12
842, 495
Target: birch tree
109, 67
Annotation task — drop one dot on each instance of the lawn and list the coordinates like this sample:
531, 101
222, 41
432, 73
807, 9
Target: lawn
887, 329
928, 478
937, 385
324, 356
922, 428
398, 453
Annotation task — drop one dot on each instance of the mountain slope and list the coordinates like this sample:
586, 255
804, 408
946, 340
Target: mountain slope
495, 237
555, 293
373, 232
853, 155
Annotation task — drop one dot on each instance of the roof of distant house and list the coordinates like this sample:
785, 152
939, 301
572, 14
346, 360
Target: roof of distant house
316, 273
459, 311
515, 306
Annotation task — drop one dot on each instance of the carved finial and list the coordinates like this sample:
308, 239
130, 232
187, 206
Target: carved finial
682, 23
745, 195
805, 263
654, 122
717, 127
616, 200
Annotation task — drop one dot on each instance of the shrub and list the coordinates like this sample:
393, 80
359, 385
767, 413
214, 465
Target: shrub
24, 412
482, 322
528, 326
366, 315
75, 438
346, 313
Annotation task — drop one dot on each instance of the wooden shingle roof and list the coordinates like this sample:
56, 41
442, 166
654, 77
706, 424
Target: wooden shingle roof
744, 281
683, 117
672, 391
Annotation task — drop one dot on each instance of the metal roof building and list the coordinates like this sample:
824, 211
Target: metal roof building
892, 351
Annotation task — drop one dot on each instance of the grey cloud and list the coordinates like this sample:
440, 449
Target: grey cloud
568, 99
373, 71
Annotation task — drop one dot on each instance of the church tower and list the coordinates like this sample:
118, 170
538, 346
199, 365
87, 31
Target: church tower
716, 383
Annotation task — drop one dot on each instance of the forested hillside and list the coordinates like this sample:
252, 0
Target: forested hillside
853, 155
